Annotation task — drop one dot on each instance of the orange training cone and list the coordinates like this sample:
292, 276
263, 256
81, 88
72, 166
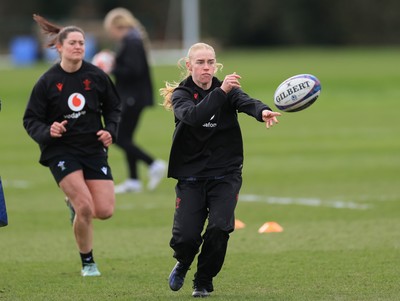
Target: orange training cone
270, 227
239, 224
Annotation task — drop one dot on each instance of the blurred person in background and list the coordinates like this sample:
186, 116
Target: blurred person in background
206, 158
73, 114
133, 81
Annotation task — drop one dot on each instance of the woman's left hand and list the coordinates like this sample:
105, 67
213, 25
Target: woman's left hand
269, 118
105, 137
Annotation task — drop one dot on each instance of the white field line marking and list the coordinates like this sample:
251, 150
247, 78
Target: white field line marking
302, 201
19, 184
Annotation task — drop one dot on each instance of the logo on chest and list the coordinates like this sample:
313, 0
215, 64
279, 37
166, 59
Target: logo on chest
210, 124
76, 102
87, 83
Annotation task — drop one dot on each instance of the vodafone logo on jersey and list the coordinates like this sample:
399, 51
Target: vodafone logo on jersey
76, 102
210, 124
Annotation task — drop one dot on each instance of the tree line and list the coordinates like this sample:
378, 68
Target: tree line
231, 22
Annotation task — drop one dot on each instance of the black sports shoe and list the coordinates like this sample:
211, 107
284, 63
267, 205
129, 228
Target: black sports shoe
200, 292
177, 276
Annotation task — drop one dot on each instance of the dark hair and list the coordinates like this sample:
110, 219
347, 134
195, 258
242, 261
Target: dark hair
56, 34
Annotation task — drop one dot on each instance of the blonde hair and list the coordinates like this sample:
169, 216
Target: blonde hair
122, 18
166, 92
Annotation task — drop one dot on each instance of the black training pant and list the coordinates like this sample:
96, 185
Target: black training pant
125, 139
195, 201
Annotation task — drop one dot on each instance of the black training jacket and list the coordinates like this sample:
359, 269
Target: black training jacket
132, 71
87, 99
207, 140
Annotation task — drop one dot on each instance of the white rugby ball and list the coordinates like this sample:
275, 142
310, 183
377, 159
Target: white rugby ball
297, 93
104, 60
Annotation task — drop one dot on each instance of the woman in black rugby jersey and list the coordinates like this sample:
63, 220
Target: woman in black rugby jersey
73, 114
206, 158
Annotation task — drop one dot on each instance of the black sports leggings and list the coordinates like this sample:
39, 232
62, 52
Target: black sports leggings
125, 140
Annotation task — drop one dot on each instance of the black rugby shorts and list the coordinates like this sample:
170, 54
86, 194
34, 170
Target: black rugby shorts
94, 168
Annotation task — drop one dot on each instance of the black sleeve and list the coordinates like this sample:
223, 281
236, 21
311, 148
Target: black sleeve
245, 104
196, 114
34, 119
111, 108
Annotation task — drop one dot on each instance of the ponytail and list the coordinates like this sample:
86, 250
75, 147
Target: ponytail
55, 33
166, 93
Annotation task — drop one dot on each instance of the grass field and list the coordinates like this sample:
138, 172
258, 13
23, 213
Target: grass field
328, 175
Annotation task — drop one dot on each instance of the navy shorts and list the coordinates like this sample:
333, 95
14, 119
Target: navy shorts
94, 168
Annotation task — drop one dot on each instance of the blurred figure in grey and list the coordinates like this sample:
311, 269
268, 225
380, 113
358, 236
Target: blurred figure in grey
133, 81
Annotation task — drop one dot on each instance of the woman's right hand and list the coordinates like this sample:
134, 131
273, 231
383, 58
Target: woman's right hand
58, 128
231, 81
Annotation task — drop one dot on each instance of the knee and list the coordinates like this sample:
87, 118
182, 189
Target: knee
83, 210
223, 225
217, 235
185, 240
104, 213
188, 236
